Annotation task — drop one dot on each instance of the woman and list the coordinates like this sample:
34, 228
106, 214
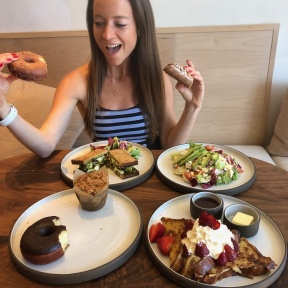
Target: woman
123, 77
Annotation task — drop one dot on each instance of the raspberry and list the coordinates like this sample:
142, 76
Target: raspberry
230, 253
183, 235
189, 224
201, 250
185, 252
209, 220
222, 259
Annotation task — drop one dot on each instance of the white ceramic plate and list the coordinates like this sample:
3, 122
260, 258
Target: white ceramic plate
99, 241
165, 172
145, 166
269, 240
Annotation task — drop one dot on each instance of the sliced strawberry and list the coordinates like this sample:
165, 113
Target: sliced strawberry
165, 243
156, 231
201, 250
222, 259
230, 253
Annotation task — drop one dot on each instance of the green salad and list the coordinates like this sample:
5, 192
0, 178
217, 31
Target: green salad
205, 165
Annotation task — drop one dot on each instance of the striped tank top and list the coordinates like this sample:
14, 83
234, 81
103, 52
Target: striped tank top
128, 124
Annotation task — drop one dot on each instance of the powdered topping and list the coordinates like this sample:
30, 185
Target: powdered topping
182, 70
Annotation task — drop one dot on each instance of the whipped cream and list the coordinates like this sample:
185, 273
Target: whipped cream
215, 240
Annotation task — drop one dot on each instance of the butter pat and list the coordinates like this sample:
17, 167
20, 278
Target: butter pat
242, 219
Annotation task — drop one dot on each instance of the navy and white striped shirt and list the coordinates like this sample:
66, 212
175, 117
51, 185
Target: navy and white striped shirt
128, 124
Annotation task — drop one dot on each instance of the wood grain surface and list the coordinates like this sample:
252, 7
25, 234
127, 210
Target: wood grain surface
26, 179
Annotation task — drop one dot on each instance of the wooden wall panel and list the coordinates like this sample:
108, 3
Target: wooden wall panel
236, 62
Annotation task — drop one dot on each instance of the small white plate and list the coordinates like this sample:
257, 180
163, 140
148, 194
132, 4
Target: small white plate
145, 166
269, 241
165, 172
99, 242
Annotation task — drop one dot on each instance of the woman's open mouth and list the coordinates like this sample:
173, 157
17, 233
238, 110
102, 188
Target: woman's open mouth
113, 48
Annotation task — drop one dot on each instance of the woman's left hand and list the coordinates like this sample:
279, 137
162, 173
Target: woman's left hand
195, 94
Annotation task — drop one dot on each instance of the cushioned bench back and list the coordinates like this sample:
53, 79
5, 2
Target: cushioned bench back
236, 62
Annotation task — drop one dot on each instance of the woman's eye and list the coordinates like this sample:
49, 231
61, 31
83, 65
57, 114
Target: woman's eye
119, 25
98, 23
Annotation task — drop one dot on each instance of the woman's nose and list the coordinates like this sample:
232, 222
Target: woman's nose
108, 32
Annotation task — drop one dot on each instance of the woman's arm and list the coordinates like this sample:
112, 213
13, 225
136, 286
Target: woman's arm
43, 141
172, 132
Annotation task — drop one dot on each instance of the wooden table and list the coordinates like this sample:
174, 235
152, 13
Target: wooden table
26, 179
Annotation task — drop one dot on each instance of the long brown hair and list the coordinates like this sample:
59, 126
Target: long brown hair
146, 69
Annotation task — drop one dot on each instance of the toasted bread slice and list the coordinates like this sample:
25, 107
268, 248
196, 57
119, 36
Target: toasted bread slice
84, 159
249, 262
218, 273
121, 162
176, 227
133, 173
122, 158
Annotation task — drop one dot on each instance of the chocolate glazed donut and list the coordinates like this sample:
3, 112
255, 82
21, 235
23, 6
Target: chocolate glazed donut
44, 241
29, 66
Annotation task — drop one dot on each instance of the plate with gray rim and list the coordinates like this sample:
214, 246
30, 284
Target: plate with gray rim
179, 207
145, 166
94, 247
165, 172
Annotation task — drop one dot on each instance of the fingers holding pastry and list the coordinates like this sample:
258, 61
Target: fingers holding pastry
179, 73
7, 58
190, 82
6, 81
190, 64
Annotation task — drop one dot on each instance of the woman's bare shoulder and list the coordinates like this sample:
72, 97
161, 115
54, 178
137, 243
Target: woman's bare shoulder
75, 81
78, 74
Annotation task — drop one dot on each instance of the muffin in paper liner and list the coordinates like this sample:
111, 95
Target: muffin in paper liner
91, 188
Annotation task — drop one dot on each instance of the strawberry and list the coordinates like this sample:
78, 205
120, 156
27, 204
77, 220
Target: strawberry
201, 250
165, 243
156, 231
230, 253
222, 259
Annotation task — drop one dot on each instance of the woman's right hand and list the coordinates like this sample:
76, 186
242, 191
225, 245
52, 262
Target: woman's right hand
6, 81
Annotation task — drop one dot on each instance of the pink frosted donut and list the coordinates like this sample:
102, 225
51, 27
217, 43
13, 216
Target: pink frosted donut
29, 66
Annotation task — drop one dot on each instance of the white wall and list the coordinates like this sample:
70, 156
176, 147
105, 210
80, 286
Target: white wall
40, 15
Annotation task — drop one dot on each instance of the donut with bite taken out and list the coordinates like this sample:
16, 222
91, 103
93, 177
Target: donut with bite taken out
45, 241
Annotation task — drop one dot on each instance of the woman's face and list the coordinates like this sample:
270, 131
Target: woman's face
115, 29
